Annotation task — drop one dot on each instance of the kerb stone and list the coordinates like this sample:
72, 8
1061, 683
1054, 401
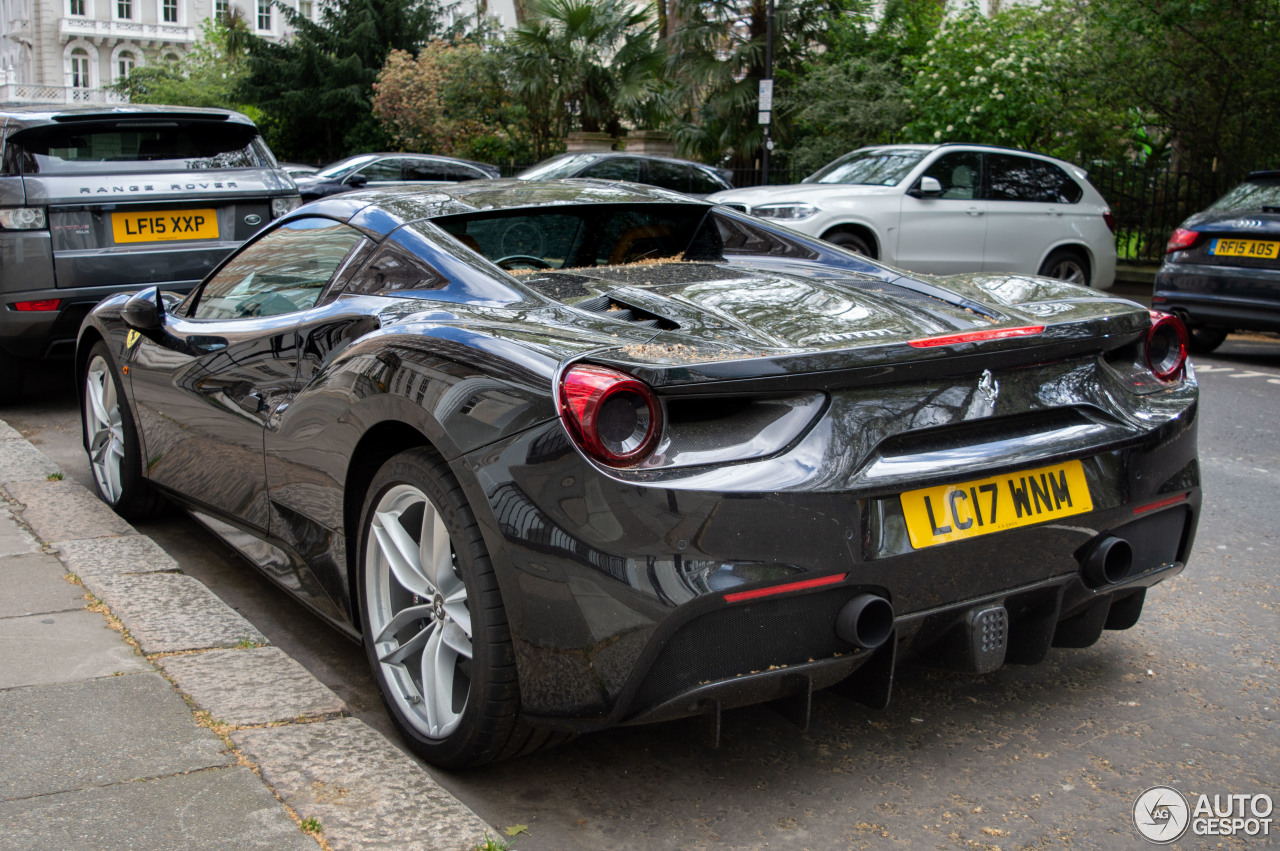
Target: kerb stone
254, 686
168, 612
65, 511
99, 557
365, 792
22, 462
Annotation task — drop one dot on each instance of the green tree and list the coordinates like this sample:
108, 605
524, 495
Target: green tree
206, 76
315, 90
585, 65
1017, 78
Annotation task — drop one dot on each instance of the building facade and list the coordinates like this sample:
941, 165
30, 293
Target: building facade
72, 51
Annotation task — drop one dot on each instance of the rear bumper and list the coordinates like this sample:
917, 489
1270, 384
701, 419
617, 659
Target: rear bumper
1224, 296
615, 592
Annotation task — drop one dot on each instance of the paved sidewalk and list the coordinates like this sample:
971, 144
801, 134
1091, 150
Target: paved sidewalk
137, 710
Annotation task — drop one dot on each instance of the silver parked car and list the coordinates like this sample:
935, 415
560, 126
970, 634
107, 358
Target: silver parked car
98, 200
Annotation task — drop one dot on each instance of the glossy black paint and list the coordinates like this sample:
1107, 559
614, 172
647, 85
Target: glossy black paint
614, 580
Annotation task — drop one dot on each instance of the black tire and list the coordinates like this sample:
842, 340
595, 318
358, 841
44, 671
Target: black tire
1203, 339
481, 721
1068, 264
850, 242
12, 375
115, 454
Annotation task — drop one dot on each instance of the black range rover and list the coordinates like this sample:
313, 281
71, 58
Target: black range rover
95, 200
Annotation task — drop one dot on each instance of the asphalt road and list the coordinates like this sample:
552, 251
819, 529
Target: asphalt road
1045, 756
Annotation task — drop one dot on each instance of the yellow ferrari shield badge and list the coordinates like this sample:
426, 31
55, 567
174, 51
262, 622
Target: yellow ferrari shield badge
131, 339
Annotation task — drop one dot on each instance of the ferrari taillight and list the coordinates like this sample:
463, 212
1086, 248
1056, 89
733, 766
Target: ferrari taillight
1166, 347
615, 418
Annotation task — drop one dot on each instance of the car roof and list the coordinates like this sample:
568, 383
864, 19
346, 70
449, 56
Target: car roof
380, 211
634, 155
22, 117
981, 146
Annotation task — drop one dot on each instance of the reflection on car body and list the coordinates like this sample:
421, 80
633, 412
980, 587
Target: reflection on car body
673, 461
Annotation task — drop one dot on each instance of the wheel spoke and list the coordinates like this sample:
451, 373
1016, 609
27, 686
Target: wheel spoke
431, 681
97, 404
413, 645
436, 554
453, 636
401, 553
403, 618
456, 608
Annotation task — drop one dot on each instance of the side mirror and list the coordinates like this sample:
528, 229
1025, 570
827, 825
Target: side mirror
927, 187
357, 180
145, 311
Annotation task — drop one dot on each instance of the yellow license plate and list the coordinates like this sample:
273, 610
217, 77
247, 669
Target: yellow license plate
167, 225
1259, 248
969, 509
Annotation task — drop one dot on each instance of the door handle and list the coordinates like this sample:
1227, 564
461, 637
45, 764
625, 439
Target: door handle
973, 211
252, 402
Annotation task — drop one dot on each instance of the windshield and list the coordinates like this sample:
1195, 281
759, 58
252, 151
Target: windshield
1250, 195
874, 166
139, 146
558, 167
342, 168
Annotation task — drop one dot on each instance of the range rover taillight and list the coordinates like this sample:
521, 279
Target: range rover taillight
612, 416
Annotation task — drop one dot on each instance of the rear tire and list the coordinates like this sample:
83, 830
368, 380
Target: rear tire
1203, 339
1068, 264
115, 454
12, 374
850, 242
435, 631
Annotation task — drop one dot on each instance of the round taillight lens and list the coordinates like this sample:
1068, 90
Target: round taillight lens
615, 418
1166, 346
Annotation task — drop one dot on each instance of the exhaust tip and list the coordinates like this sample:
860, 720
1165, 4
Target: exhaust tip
1107, 562
865, 621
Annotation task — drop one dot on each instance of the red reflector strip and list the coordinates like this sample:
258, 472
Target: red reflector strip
977, 336
785, 589
1161, 504
46, 304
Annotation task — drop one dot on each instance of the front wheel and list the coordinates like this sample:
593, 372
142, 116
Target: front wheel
1203, 339
111, 438
432, 617
850, 242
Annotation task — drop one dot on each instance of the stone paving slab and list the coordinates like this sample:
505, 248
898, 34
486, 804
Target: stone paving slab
63, 510
22, 462
365, 792
36, 583
255, 686
57, 738
14, 540
61, 647
206, 811
169, 612
113, 556
8, 432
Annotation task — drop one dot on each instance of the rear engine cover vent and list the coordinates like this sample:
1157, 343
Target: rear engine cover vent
607, 305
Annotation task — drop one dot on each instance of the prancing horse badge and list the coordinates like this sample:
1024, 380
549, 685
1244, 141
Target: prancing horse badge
989, 387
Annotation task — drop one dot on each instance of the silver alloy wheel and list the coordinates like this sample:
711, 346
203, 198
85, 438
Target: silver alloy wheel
105, 429
417, 607
1068, 269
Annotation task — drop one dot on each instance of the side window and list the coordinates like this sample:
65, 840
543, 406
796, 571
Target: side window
668, 175
960, 174
701, 183
614, 168
283, 272
1014, 178
390, 169
429, 170
392, 269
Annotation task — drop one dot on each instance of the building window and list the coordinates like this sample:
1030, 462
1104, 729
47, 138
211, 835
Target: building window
307, 9
124, 64
222, 10
169, 11
79, 68
76, 7
264, 14
171, 59
124, 9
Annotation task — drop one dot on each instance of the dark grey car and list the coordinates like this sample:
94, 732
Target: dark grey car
96, 200
684, 176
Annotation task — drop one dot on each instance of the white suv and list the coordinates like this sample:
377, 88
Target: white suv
951, 208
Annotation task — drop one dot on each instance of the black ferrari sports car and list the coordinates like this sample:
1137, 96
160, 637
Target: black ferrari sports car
567, 455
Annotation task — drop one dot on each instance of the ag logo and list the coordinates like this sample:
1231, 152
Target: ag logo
130, 339
1161, 814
